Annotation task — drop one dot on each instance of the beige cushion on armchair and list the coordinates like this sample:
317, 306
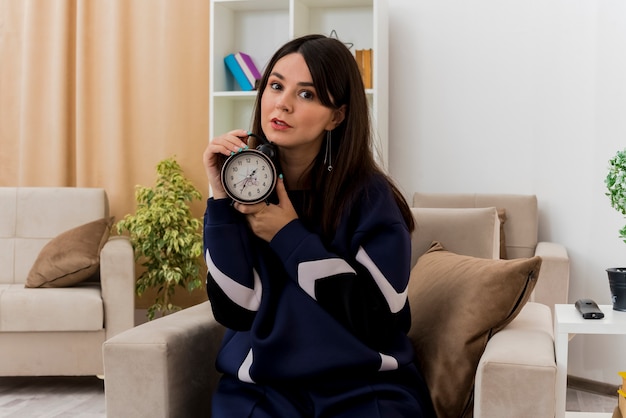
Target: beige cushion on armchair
474, 232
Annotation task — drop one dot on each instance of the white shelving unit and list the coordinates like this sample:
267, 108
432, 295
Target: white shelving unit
260, 27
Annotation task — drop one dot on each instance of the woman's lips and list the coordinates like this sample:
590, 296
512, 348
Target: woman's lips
279, 124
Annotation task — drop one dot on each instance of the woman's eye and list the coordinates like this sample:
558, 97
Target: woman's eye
308, 95
275, 86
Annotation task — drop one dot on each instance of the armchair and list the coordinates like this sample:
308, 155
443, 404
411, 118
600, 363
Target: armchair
508, 357
165, 368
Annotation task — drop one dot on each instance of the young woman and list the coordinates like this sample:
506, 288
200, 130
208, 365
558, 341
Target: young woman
312, 289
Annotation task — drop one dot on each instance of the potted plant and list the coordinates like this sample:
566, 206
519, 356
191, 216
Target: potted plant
165, 236
616, 184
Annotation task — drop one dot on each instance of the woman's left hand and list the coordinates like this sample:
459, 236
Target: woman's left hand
266, 220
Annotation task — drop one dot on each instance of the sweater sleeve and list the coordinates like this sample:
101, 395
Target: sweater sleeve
363, 282
234, 288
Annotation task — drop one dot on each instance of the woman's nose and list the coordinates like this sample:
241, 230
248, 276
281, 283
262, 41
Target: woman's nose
283, 104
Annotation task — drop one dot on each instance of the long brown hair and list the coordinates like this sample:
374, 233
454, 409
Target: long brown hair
336, 76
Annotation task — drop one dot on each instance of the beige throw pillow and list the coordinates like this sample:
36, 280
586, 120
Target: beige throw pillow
457, 303
71, 257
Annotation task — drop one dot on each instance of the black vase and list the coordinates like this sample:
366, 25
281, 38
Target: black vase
617, 283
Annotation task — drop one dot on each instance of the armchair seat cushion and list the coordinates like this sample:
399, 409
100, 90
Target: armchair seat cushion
50, 309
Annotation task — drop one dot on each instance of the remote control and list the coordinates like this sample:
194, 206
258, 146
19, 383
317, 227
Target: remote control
589, 309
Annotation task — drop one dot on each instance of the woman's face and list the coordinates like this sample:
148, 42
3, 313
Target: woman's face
291, 114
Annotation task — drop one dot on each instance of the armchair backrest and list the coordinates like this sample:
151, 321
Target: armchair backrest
520, 227
468, 231
31, 216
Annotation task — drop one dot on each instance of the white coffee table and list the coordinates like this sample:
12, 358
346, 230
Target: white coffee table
567, 320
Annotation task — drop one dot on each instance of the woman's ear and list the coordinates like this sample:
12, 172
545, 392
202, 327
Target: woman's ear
338, 116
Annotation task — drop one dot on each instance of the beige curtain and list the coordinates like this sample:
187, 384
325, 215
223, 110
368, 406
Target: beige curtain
96, 92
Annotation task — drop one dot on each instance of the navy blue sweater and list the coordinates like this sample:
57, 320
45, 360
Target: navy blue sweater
297, 309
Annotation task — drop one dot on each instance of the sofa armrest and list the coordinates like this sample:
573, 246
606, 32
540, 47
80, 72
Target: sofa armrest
164, 368
117, 278
516, 375
553, 282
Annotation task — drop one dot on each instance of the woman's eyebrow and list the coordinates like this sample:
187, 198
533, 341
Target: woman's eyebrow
302, 83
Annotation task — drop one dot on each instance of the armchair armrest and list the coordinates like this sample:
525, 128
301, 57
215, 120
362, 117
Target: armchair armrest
518, 366
164, 368
553, 282
117, 278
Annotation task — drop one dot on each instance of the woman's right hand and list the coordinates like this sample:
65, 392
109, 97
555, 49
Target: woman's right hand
216, 151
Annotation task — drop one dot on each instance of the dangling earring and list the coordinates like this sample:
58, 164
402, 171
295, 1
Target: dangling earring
328, 155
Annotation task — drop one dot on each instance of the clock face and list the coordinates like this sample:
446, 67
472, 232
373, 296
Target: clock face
249, 176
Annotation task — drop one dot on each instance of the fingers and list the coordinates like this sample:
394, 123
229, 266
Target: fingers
265, 219
227, 144
283, 199
214, 156
281, 191
231, 143
248, 209
257, 208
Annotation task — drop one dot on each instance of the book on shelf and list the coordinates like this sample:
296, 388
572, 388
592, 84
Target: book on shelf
248, 67
243, 69
364, 61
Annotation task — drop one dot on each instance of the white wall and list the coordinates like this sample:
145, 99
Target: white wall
519, 96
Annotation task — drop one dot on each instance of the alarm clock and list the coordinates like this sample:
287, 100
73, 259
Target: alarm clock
250, 176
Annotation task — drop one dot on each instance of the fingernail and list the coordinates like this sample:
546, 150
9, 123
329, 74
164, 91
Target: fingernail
280, 176
246, 147
240, 149
232, 153
249, 133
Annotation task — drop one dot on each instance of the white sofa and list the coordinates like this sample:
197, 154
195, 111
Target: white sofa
58, 330
166, 368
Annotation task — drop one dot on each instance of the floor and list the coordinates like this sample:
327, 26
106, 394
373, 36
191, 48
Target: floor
69, 397
51, 397
582, 401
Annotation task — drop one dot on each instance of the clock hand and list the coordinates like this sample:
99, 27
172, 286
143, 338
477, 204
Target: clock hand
249, 178
246, 178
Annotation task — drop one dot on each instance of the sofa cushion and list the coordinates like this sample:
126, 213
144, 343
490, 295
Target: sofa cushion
77, 308
457, 303
71, 257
